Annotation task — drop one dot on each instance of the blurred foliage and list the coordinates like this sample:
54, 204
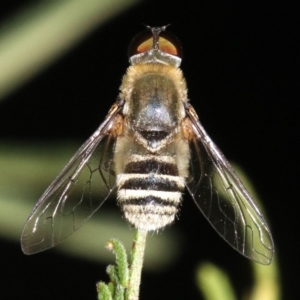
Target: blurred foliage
214, 283
42, 32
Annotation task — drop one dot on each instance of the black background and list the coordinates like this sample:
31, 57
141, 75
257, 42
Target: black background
240, 61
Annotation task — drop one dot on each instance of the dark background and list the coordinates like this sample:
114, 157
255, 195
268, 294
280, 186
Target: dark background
240, 62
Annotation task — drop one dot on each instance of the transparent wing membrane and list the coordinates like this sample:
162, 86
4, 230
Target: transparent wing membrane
72, 198
224, 201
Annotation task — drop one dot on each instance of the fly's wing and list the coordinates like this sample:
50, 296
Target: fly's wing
76, 193
222, 198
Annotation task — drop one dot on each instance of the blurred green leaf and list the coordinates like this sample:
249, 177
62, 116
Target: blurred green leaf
214, 283
266, 282
41, 33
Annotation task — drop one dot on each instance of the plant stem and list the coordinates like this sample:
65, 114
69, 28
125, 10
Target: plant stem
136, 263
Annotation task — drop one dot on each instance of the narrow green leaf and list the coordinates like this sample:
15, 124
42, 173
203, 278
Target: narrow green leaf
103, 291
121, 260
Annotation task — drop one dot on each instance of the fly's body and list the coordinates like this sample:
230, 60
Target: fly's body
150, 148
151, 158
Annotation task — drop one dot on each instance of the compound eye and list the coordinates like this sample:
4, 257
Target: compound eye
143, 42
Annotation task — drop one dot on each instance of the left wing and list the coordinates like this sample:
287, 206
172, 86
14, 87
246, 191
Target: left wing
76, 193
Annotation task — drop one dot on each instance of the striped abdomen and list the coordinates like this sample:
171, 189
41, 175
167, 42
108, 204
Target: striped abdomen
149, 191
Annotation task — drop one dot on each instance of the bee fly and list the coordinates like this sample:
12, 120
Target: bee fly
150, 147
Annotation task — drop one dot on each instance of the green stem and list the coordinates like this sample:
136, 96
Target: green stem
136, 263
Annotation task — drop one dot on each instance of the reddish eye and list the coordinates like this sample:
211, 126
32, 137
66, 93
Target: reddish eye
143, 42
